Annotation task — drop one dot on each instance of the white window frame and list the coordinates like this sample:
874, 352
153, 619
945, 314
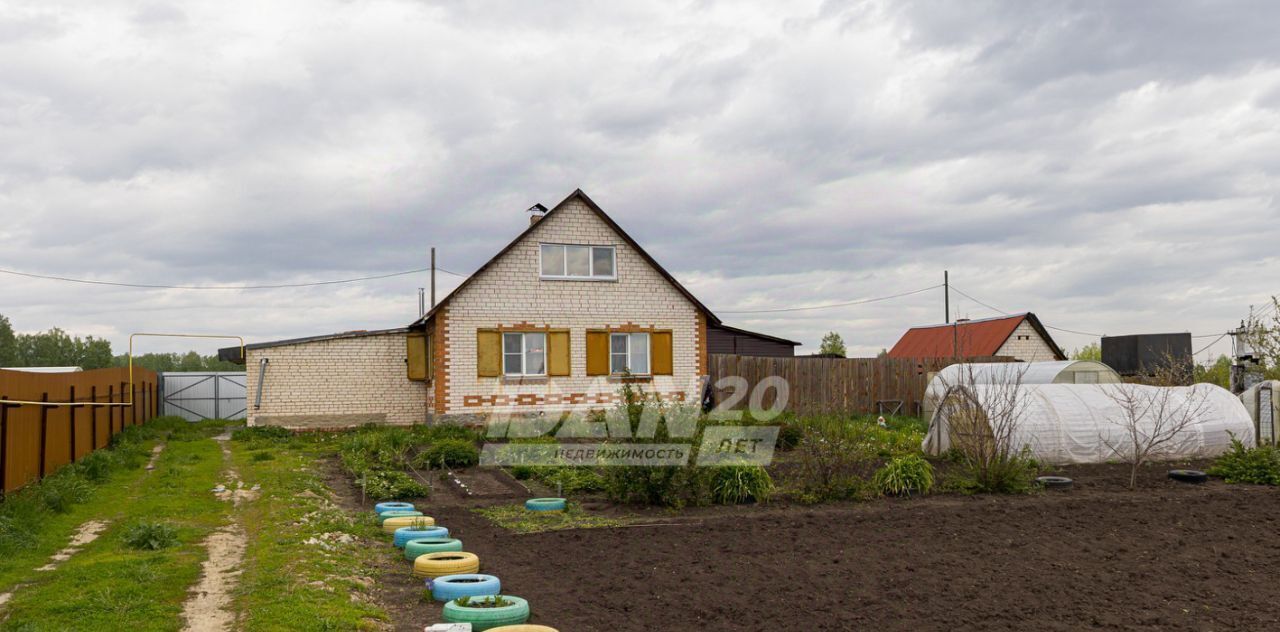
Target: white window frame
524, 354
627, 336
591, 263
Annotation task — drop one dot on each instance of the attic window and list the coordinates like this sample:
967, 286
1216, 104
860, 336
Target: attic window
567, 261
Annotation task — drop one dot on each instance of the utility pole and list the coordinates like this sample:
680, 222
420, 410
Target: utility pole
946, 306
946, 295
433, 277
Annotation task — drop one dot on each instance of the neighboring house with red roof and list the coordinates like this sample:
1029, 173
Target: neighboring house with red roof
1019, 336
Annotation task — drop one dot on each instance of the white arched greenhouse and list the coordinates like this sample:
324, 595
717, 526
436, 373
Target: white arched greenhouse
1062, 372
1062, 423
1262, 401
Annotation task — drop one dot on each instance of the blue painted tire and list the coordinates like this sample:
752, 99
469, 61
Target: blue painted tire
487, 618
544, 504
394, 506
422, 546
397, 513
404, 534
451, 587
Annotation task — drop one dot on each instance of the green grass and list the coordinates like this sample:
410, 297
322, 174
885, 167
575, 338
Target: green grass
287, 583
520, 520
56, 529
109, 585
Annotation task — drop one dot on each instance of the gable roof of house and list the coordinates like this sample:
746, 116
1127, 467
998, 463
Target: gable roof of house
976, 338
576, 195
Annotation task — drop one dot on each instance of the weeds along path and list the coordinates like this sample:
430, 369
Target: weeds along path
209, 607
309, 562
111, 585
87, 531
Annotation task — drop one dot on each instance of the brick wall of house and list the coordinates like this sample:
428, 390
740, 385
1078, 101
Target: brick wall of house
1032, 349
510, 293
335, 383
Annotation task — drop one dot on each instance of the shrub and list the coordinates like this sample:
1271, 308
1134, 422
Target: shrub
59, 493
835, 456
903, 476
449, 453
1007, 473
262, 433
741, 484
1259, 466
392, 485
150, 536
569, 480
432, 434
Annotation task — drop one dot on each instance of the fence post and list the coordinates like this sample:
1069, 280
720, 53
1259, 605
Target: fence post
71, 414
122, 407
44, 431
93, 417
4, 444
111, 412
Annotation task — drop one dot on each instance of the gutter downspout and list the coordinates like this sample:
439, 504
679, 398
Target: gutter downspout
262, 374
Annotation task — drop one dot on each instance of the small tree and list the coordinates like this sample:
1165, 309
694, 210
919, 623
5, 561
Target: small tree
1154, 419
1090, 351
983, 414
1263, 334
832, 345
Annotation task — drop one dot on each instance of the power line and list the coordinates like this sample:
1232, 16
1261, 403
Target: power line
157, 286
1047, 326
846, 304
1215, 341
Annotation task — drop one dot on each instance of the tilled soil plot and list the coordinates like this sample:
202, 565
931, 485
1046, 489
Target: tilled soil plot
1169, 556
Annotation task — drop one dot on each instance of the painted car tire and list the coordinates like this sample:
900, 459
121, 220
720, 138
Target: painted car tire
413, 549
397, 513
404, 534
1054, 482
488, 618
523, 628
418, 522
544, 504
444, 563
380, 508
450, 587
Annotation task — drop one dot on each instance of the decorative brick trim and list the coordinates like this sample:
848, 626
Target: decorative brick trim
703, 359
629, 327
525, 326
440, 370
554, 399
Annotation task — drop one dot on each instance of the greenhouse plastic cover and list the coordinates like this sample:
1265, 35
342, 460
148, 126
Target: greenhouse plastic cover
1078, 423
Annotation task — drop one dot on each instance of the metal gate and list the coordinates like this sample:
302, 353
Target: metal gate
203, 395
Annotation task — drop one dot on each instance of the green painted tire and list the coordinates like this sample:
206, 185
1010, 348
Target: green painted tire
422, 546
544, 504
486, 618
386, 515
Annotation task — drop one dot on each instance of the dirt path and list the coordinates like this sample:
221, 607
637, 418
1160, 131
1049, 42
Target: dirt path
208, 609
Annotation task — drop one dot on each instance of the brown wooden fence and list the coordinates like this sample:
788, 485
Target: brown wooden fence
858, 386
36, 439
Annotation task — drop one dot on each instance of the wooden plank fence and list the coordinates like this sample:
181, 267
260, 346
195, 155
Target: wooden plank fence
857, 386
36, 440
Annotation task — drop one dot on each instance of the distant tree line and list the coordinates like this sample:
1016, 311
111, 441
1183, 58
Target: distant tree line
58, 348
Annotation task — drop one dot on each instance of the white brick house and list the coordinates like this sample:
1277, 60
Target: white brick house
558, 320
555, 320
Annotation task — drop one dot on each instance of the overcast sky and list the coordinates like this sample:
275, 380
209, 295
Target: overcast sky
1111, 166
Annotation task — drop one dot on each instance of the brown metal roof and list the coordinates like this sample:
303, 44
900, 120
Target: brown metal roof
966, 339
